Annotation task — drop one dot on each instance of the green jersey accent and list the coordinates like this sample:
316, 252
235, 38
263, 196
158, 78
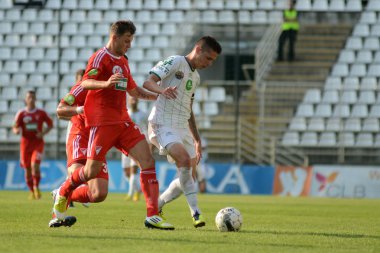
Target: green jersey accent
69, 99
93, 72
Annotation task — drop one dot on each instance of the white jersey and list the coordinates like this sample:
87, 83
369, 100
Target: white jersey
140, 118
175, 71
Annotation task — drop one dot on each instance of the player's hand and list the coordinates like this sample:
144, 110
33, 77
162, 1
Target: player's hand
198, 151
170, 93
114, 79
39, 135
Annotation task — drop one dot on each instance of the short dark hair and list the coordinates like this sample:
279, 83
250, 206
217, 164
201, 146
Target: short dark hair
122, 26
31, 92
208, 42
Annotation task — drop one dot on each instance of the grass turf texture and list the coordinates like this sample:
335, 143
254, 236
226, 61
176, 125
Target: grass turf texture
270, 224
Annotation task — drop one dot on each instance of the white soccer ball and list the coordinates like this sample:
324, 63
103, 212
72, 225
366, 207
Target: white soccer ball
228, 219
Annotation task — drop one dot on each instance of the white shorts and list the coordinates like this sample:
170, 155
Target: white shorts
127, 162
160, 136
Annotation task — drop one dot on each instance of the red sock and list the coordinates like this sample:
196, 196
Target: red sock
36, 180
149, 186
29, 182
82, 194
75, 180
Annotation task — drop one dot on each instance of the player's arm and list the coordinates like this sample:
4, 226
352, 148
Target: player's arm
45, 130
195, 133
65, 111
141, 93
16, 129
92, 84
151, 84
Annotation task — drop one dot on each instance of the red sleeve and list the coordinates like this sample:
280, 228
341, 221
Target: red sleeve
47, 119
95, 66
131, 82
18, 118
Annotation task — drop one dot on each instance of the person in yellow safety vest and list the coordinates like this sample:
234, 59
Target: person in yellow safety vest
290, 28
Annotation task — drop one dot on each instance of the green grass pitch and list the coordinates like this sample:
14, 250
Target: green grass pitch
271, 224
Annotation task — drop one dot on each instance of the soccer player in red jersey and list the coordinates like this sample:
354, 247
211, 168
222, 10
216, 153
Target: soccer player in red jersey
29, 121
108, 78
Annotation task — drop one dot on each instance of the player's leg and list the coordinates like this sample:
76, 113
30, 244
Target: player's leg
101, 139
35, 165
185, 157
125, 164
133, 182
36, 175
134, 143
25, 163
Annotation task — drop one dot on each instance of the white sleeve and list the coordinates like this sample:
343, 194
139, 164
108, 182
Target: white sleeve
166, 67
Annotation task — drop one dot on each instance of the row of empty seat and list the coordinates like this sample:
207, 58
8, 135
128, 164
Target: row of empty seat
314, 96
359, 56
338, 110
305, 5
331, 139
334, 124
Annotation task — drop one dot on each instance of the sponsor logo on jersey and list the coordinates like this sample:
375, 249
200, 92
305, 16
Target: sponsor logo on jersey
122, 84
27, 119
179, 74
189, 84
117, 69
97, 149
69, 99
93, 72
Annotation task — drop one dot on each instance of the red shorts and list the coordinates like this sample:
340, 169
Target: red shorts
76, 149
31, 153
123, 136
103, 173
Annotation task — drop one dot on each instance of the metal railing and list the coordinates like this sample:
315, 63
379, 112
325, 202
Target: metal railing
261, 148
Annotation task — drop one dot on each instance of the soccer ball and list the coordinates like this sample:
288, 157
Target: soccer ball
228, 219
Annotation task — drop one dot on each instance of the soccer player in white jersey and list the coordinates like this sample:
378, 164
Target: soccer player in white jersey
172, 127
129, 165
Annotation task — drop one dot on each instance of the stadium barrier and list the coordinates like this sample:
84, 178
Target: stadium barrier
317, 181
221, 178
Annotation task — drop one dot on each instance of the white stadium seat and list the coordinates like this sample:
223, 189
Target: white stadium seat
347, 139
309, 139
316, 124
312, 96
327, 139
341, 110
352, 125
297, 124
364, 140
18, 79
305, 110
371, 125
337, 5
323, 110
290, 139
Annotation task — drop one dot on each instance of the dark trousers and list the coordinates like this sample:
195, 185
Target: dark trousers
291, 35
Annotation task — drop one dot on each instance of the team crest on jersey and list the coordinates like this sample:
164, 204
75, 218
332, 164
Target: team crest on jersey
117, 69
189, 84
69, 99
93, 72
179, 74
27, 119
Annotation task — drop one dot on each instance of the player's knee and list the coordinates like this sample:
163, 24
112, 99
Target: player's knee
184, 161
99, 196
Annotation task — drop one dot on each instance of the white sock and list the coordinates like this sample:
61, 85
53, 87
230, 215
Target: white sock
171, 193
135, 183
131, 186
188, 188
